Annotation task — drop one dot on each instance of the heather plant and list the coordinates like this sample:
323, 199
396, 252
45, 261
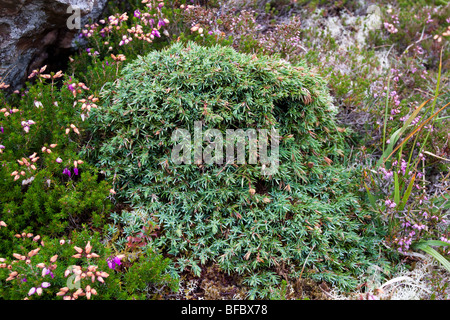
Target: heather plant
415, 221
45, 185
122, 34
150, 277
47, 188
415, 28
79, 267
350, 68
306, 214
418, 40
351, 53
48, 268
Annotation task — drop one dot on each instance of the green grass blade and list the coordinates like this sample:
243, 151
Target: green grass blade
432, 243
407, 193
386, 113
445, 263
397, 189
416, 130
396, 135
392, 141
371, 197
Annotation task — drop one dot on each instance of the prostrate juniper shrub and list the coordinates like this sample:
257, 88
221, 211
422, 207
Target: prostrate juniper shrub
302, 218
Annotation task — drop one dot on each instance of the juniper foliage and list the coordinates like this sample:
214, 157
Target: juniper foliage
304, 220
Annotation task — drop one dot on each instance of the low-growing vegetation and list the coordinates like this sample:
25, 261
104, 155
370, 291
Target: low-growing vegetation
93, 205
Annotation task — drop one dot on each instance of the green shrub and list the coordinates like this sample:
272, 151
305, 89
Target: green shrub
47, 268
306, 214
31, 274
55, 207
46, 187
148, 273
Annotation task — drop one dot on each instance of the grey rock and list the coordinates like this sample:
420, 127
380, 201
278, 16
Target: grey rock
30, 28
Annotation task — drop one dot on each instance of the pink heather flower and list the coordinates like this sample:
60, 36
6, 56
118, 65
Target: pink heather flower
395, 111
112, 262
156, 33
32, 291
66, 171
45, 284
395, 19
59, 160
416, 226
406, 224
416, 120
45, 272
390, 204
387, 174
403, 166
75, 171
137, 13
390, 27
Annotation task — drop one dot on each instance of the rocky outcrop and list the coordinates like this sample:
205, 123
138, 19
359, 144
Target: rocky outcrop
30, 30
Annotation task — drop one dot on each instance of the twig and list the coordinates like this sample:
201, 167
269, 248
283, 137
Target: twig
420, 39
424, 92
387, 54
300, 276
396, 280
328, 294
226, 164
